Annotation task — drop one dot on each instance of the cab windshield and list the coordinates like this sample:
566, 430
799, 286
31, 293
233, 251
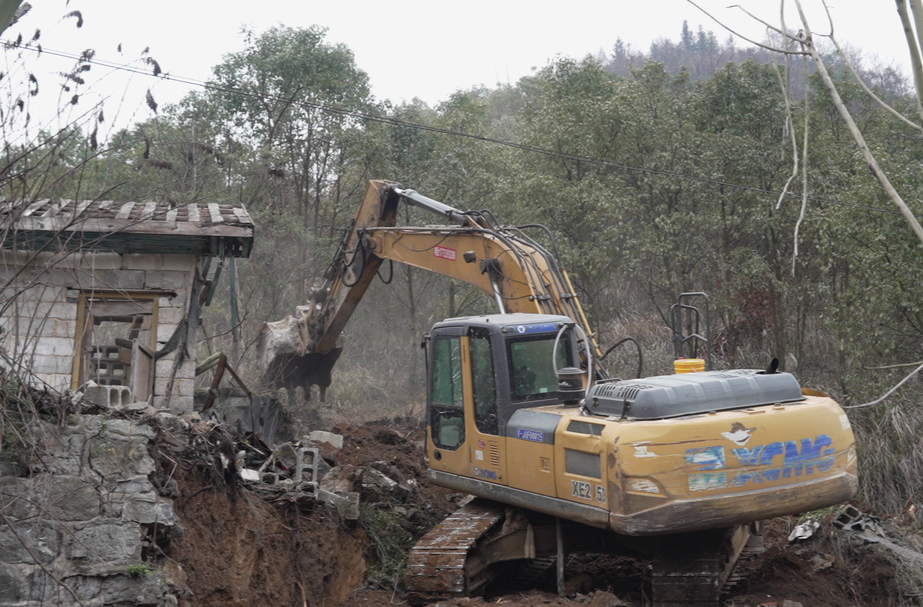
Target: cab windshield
532, 374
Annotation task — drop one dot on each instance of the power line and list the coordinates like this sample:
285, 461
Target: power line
432, 129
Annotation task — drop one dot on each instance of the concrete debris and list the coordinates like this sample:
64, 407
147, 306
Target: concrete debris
250, 475
334, 440
803, 531
852, 519
346, 504
340, 479
372, 477
291, 466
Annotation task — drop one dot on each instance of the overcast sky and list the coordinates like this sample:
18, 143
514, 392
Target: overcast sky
415, 48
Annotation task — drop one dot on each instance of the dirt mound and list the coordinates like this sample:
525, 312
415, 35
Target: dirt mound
247, 546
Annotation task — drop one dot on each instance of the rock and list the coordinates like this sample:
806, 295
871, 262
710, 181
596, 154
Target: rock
175, 575
32, 542
341, 479
123, 589
601, 598
347, 505
819, 562
148, 509
390, 470
13, 501
115, 543
373, 478
788, 603
62, 449
114, 458
68, 498
132, 407
319, 436
11, 584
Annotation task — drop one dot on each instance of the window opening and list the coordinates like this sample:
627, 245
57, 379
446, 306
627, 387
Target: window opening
117, 340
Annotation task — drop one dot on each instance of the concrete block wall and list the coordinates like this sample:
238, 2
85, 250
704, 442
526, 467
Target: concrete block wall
38, 328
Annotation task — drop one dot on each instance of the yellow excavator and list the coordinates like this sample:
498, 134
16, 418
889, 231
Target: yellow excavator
562, 459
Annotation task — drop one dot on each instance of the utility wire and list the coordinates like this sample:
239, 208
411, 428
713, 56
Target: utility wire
432, 129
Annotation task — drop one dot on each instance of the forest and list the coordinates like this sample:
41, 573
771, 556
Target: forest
658, 172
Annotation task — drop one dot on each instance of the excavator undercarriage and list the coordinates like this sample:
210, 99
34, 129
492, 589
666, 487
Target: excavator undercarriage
486, 540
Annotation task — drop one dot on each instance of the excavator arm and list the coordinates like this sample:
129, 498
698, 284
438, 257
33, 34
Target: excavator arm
517, 271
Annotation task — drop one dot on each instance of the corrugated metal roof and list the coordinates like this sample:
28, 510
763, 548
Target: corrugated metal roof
126, 227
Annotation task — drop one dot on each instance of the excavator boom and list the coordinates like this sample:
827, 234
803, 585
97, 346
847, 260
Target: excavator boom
515, 270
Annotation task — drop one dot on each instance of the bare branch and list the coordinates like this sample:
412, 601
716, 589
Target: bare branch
870, 160
768, 25
858, 78
742, 37
789, 120
889, 392
912, 45
804, 171
897, 366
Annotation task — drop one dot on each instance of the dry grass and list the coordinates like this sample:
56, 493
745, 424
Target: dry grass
890, 437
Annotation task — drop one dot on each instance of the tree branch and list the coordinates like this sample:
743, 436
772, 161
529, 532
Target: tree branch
789, 120
804, 171
742, 37
854, 130
865, 88
915, 62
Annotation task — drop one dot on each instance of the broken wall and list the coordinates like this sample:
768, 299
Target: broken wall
39, 309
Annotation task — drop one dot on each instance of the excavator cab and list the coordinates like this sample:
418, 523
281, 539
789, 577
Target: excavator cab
481, 370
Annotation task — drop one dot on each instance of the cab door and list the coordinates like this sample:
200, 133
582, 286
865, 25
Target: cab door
446, 434
462, 404
488, 448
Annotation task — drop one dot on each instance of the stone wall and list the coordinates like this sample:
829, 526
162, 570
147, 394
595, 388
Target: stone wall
87, 523
39, 328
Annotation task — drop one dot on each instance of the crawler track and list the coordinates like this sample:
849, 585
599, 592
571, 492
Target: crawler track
694, 569
439, 566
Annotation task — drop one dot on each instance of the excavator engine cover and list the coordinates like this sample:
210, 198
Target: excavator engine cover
668, 396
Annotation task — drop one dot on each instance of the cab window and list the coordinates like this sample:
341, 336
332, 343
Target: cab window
531, 367
482, 378
447, 413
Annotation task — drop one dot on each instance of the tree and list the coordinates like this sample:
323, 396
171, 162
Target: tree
280, 97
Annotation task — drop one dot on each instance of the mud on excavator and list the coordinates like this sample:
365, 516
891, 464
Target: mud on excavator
563, 459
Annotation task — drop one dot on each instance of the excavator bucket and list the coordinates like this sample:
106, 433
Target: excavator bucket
285, 364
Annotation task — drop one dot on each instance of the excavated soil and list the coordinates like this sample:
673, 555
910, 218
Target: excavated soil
250, 548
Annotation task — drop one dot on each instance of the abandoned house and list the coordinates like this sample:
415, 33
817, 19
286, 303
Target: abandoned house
110, 292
